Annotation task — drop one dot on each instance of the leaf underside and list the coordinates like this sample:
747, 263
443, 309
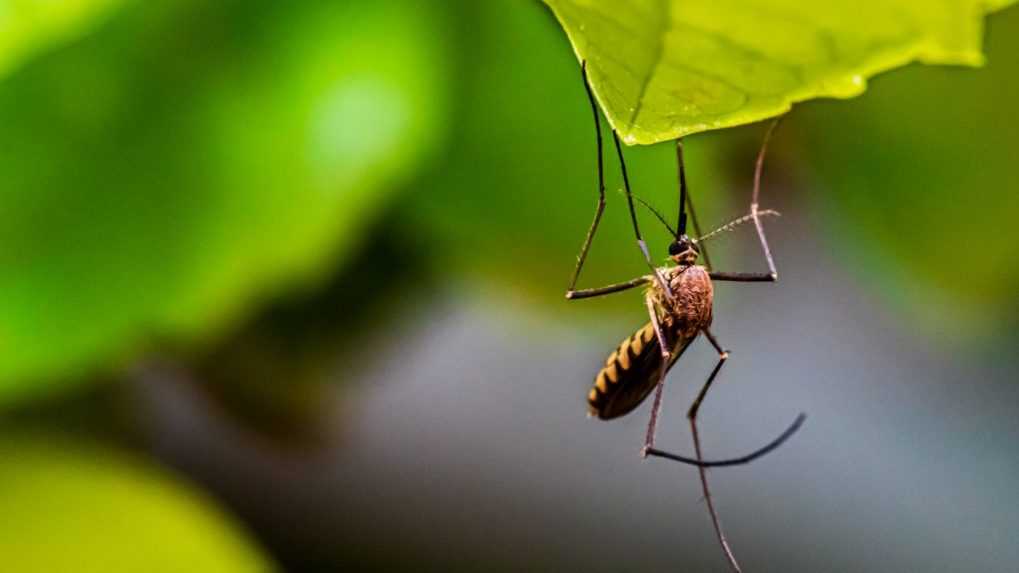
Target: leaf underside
662, 69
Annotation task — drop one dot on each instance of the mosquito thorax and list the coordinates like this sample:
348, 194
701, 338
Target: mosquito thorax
684, 251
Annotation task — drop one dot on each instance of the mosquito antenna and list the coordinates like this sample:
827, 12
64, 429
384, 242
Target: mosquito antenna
788, 433
657, 214
681, 221
737, 222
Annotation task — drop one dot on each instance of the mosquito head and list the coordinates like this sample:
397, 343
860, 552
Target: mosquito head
684, 251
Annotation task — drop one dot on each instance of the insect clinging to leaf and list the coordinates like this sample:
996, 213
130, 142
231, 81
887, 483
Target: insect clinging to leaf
679, 299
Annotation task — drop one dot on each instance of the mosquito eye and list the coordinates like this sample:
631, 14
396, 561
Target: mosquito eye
676, 248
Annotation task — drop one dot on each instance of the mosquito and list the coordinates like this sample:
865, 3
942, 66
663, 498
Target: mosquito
679, 299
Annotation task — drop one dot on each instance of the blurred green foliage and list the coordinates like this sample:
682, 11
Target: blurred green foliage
74, 506
31, 26
665, 69
189, 158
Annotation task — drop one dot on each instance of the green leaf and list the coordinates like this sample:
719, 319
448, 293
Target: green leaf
662, 69
162, 177
28, 27
70, 506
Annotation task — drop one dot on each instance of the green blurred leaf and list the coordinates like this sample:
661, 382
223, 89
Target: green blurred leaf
28, 27
165, 175
69, 506
918, 183
663, 69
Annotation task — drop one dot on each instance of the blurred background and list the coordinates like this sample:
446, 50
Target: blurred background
281, 288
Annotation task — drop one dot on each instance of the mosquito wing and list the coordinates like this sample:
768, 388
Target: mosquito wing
630, 374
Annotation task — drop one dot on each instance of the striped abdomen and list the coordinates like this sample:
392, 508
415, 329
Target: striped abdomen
629, 375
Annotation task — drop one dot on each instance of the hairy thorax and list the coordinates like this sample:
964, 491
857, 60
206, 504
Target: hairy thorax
692, 297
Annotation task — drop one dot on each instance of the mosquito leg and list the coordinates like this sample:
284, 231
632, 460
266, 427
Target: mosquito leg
571, 291
755, 215
723, 355
699, 461
744, 277
601, 191
636, 228
737, 461
592, 292
754, 200
691, 415
656, 407
653, 313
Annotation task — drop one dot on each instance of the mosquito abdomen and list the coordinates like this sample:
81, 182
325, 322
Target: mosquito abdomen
629, 375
